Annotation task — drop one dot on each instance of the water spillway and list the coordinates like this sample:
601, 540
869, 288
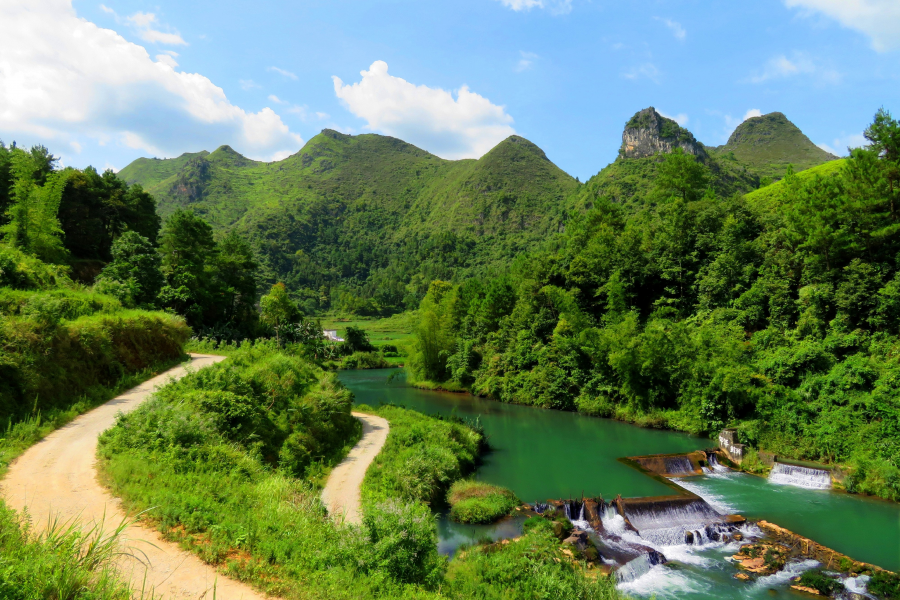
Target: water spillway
815, 479
542, 454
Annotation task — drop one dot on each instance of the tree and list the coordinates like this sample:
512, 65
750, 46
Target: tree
682, 175
33, 224
188, 252
96, 209
278, 310
134, 274
884, 137
357, 340
236, 269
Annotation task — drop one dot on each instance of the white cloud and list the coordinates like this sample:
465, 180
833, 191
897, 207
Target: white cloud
276, 99
677, 30
681, 118
731, 123
782, 67
558, 7
753, 112
282, 72
63, 79
466, 126
840, 145
248, 84
878, 19
526, 61
167, 59
143, 24
644, 71
322, 116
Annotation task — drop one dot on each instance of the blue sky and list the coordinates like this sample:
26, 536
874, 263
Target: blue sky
103, 84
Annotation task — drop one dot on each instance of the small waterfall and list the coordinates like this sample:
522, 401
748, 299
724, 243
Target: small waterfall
541, 507
715, 466
678, 465
817, 479
673, 524
612, 521
639, 566
575, 514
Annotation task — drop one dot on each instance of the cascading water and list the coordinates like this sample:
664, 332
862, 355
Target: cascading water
715, 466
668, 524
639, 566
817, 479
678, 465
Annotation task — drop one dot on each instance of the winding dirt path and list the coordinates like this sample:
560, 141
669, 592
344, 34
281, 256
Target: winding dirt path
58, 476
341, 493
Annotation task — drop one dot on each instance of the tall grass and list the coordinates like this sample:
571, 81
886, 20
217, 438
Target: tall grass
63, 562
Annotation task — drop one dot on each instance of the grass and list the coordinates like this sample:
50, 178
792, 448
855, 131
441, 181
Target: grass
422, 457
479, 502
396, 330
64, 562
766, 195
532, 566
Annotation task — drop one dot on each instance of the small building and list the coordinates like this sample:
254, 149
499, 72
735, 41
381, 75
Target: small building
332, 335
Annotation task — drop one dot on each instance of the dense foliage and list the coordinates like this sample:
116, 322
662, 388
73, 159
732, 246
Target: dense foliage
777, 314
362, 224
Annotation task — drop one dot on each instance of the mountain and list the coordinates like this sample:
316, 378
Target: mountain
646, 136
371, 215
768, 144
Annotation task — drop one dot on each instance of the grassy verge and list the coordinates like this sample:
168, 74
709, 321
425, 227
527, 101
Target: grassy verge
479, 502
421, 459
62, 563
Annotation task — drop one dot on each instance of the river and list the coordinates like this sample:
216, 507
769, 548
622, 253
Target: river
541, 454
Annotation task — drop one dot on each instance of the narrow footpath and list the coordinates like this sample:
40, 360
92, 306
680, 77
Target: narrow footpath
341, 493
57, 476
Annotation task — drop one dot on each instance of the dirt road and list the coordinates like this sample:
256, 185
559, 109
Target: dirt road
58, 476
341, 493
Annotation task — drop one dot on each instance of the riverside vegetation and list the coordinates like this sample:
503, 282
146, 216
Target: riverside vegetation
775, 312
231, 458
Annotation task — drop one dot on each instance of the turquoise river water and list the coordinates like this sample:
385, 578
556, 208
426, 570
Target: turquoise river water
542, 454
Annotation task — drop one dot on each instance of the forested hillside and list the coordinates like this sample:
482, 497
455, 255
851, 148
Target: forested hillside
363, 223
777, 312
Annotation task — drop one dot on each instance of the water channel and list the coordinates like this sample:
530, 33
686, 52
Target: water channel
541, 454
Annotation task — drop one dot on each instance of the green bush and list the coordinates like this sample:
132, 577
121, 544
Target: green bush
885, 584
51, 365
422, 457
478, 502
21, 271
820, 582
365, 360
532, 566
404, 542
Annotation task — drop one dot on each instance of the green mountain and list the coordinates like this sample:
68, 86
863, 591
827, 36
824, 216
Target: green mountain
647, 136
363, 223
371, 215
768, 144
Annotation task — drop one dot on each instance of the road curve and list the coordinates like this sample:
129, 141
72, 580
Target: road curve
58, 476
341, 493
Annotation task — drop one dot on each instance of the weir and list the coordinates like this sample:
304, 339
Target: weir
785, 474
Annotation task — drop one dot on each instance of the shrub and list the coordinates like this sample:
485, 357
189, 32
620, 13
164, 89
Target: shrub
404, 542
885, 585
21, 271
532, 566
820, 582
365, 360
423, 455
478, 502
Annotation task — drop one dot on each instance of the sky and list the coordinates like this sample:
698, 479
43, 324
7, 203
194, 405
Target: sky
105, 83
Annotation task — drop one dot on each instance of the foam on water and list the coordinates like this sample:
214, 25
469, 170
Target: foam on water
783, 576
816, 479
716, 501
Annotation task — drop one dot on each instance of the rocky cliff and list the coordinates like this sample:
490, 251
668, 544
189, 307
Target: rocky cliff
649, 133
